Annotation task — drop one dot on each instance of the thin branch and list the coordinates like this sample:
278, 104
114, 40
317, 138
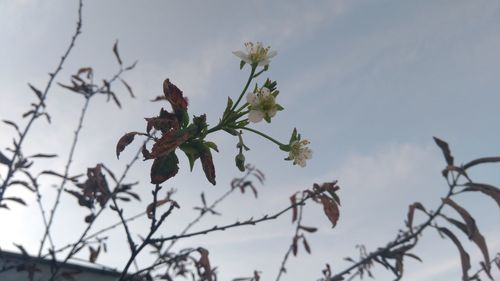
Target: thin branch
17, 151
65, 175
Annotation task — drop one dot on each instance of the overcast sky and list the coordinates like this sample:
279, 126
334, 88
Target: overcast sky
367, 82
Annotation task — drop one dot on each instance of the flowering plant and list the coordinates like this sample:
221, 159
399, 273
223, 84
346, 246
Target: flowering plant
175, 131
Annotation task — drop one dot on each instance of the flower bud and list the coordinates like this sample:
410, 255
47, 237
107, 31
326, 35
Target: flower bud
240, 161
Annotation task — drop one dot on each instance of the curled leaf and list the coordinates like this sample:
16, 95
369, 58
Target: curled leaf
464, 256
487, 189
208, 165
174, 96
117, 55
163, 168
153, 206
330, 208
293, 200
125, 140
411, 211
445, 149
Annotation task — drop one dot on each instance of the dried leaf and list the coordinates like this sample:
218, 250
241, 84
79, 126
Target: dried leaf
174, 96
129, 89
10, 123
152, 206
481, 161
308, 229
306, 245
464, 256
37, 92
94, 254
164, 168
293, 200
15, 199
204, 263
125, 140
470, 229
3, 159
41, 155
208, 165
21, 248
330, 208
169, 142
115, 50
411, 211
294, 245
445, 149
487, 189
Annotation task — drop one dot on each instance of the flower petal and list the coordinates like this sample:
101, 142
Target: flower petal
255, 116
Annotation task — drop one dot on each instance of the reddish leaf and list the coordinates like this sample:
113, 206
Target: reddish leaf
464, 256
330, 208
164, 168
208, 165
169, 142
125, 140
174, 96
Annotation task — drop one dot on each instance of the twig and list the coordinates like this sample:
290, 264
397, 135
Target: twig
17, 151
290, 249
66, 173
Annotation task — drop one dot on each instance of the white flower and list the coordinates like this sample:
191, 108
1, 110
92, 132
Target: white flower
262, 105
256, 54
299, 152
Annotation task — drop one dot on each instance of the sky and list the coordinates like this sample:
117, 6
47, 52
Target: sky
369, 83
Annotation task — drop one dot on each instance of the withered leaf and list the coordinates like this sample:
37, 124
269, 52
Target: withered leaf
129, 89
445, 149
153, 206
115, 50
411, 211
330, 208
481, 161
487, 189
293, 201
174, 96
130, 67
464, 256
208, 165
470, 229
3, 159
306, 245
22, 249
169, 142
10, 123
308, 229
37, 92
163, 168
15, 199
204, 263
294, 245
125, 140
94, 254
42, 155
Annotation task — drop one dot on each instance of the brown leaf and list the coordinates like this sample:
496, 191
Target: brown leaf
163, 168
308, 229
169, 142
306, 245
208, 165
125, 140
330, 208
204, 263
411, 211
464, 256
470, 229
174, 96
115, 50
129, 89
445, 149
481, 161
487, 189
293, 200
94, 254
152, 206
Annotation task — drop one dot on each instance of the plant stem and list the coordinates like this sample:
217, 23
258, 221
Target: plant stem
260, 134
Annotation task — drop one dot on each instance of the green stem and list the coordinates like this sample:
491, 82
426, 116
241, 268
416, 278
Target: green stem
261, 134
244, 89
